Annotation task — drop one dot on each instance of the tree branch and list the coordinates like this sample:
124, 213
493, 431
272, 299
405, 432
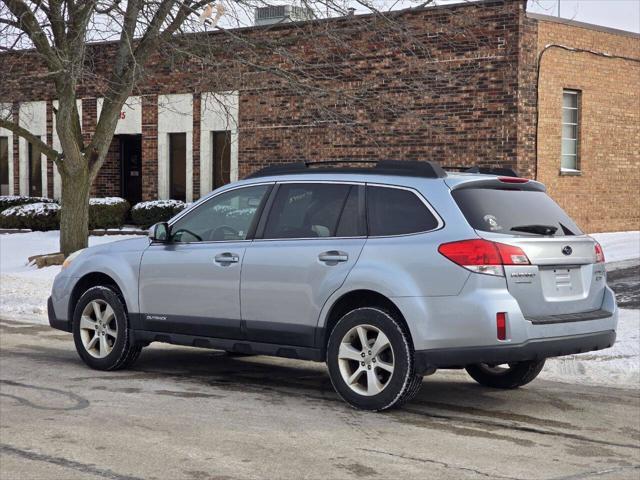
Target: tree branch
26, 134
29, 24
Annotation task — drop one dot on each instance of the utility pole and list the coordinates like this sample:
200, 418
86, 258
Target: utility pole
558, 8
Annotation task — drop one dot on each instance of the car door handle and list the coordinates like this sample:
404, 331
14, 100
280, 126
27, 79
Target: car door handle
333, 256
226, 258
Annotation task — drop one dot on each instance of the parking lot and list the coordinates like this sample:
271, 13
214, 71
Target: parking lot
184, 413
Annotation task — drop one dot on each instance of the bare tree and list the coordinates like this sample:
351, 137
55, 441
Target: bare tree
59, 30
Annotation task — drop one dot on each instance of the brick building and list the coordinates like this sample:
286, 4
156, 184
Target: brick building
474, 83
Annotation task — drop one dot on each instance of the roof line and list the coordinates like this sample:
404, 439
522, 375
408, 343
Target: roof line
590, 26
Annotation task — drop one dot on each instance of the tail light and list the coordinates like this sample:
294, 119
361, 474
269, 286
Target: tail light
599, 253
483, 256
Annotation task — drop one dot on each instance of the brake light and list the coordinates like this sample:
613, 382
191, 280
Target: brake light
513, 180
599, 253
483, 256
501, 325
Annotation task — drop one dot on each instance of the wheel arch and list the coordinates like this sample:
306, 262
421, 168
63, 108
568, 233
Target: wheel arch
357, 299
89, 280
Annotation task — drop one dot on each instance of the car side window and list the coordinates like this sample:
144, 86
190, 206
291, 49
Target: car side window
396, 211
307, 210
225, 217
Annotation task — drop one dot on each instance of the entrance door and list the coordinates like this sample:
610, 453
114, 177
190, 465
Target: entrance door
131, 167
35, 171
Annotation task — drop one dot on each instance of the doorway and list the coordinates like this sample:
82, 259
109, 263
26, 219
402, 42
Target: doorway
35, 171
131, 167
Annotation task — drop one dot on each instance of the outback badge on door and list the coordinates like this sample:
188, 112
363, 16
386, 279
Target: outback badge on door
567, 250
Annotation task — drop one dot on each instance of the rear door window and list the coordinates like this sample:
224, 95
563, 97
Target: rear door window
397, 211
310, 210
513, 212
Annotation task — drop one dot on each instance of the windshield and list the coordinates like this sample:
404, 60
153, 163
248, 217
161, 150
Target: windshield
514, 212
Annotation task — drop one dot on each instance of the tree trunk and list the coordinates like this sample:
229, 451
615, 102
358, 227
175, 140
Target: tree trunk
74, 215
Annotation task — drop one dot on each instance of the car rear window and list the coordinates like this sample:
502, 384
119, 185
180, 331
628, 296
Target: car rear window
500, 211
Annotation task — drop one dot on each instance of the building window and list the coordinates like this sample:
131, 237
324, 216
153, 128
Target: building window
4, 165
178, 166
221, 152
35, 171
570, 131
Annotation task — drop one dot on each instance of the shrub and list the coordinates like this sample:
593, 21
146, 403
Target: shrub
35, 216
7, 201
147, 213
108, 212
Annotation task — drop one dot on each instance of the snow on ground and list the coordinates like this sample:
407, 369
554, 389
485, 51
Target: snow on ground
24, 291
619, 246
616, 366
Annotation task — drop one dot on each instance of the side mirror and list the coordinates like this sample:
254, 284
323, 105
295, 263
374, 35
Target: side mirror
159, 232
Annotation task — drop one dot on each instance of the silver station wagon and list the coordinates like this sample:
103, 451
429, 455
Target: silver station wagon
386, 273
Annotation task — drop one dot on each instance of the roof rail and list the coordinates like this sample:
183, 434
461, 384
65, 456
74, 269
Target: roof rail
486, 170
407, 168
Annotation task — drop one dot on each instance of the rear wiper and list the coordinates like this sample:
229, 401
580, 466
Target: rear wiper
537, 229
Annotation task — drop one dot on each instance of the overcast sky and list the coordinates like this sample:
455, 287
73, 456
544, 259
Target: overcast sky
622, 14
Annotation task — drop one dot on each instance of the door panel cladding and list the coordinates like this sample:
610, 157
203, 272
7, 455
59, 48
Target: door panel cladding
232, 345
200, 326
279, 332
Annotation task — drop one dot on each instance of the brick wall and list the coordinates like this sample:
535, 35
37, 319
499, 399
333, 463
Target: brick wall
604, 197
438, 83
107, 183
149, 147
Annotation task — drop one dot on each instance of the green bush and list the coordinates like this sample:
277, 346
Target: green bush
35, 216
7, 201
109, 212
146, 214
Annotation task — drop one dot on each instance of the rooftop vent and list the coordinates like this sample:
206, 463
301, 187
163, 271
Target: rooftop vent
282, 14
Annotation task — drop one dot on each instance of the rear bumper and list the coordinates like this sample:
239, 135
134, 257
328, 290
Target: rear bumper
57, 323
534, 349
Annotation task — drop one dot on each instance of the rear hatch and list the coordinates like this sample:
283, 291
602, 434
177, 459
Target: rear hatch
563, 277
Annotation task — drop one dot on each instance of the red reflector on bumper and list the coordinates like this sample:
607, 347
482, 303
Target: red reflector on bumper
501, 325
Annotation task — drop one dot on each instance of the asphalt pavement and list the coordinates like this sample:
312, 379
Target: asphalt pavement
184, 413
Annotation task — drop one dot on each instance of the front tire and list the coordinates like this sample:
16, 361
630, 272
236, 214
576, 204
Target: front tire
101, 330
370, 360
513, 376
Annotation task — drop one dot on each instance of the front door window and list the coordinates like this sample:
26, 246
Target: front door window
226, 217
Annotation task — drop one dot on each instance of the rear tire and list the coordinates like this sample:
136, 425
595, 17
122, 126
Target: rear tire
370, 360
513, 376
101, 330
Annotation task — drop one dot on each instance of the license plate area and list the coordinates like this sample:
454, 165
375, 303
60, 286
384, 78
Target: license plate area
562, 282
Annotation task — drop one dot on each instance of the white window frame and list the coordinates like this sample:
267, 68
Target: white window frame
576, 125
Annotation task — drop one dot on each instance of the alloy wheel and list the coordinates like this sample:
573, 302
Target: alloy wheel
98, 328
366, 360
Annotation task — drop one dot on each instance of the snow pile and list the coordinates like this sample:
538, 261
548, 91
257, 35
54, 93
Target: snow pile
30, 210
619, 246
618, 365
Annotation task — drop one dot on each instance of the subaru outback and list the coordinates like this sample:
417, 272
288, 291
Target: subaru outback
386, 273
